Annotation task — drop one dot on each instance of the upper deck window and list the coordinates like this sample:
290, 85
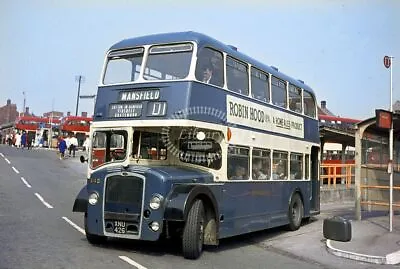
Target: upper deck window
295, 103
278, 92
259, 85
123, 66
210, 67
168, 62
309, 104
237, 76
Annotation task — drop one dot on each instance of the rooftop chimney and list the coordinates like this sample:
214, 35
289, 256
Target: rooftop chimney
27, 110
8, 102
68, 113
323, 104
84, 114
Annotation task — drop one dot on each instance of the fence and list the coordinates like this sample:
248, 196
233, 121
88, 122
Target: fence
331, 174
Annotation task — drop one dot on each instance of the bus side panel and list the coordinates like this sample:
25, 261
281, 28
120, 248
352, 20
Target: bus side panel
254, 206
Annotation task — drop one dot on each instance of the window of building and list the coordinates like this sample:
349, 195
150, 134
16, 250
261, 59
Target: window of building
238, 163
259, 85
237, 76
278, 90
261, 164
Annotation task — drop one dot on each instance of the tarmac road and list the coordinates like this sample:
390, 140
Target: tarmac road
39, 229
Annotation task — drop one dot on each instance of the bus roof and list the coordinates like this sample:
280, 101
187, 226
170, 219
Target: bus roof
204, 40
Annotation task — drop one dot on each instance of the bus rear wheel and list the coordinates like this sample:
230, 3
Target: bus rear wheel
92, 238
193, 232
296, 212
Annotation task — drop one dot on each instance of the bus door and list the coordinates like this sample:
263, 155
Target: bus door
315, 184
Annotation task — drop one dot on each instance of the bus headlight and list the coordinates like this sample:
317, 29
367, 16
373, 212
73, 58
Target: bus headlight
155, 201
93, 198
155, 226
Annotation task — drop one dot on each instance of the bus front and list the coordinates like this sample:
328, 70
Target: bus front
148, 156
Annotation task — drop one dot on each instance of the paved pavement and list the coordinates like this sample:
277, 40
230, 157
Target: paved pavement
371, 241
34, 236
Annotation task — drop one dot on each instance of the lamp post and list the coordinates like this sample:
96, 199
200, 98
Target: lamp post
50, 139
387, 61
23, 109
80, 79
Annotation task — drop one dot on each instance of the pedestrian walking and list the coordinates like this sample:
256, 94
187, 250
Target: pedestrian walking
73, 145
62, 146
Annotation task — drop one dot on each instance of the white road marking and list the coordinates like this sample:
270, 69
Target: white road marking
7, 160
43, 201
132, 262
26, 182
1, 154
15, 170
74, 225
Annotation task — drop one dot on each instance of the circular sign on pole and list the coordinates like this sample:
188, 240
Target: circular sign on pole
387, 61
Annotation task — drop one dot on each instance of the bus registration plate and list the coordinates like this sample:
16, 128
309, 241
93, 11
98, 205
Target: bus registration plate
119, 227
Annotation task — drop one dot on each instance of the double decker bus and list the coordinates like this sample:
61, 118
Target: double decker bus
77, 125
30, 125
194, 140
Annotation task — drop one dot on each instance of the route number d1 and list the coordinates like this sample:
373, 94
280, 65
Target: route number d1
157, 108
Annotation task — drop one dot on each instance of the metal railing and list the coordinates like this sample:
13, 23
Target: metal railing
331, 174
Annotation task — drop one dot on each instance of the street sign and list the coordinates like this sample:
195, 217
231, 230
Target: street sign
386, 61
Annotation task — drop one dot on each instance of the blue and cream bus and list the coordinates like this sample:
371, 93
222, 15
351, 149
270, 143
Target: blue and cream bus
193, 140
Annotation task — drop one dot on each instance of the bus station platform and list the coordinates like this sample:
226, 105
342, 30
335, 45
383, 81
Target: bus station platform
371, 242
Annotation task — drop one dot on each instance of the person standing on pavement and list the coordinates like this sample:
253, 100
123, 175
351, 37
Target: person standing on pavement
73, 145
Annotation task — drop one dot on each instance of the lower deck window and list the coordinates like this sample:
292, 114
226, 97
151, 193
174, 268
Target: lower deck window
280, 165
296, 166
238, 163
261, 164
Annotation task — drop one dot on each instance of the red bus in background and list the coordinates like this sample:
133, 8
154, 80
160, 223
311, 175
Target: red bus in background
77, 125
32, 125
338, 122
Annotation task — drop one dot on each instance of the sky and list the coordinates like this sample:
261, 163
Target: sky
336, 47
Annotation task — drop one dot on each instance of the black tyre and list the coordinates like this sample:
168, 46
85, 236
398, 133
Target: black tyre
92, 238
193, 232
296, 212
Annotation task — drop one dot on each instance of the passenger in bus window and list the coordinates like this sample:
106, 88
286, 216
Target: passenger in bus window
279, 170
239, 173
207, 74
257, 170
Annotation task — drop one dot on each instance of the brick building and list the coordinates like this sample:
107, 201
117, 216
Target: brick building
8, 113
54, 114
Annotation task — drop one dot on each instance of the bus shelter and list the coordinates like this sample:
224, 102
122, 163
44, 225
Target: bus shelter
372, 177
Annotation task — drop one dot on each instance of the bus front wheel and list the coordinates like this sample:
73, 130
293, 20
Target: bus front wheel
92, 238
296, 212
193, 232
